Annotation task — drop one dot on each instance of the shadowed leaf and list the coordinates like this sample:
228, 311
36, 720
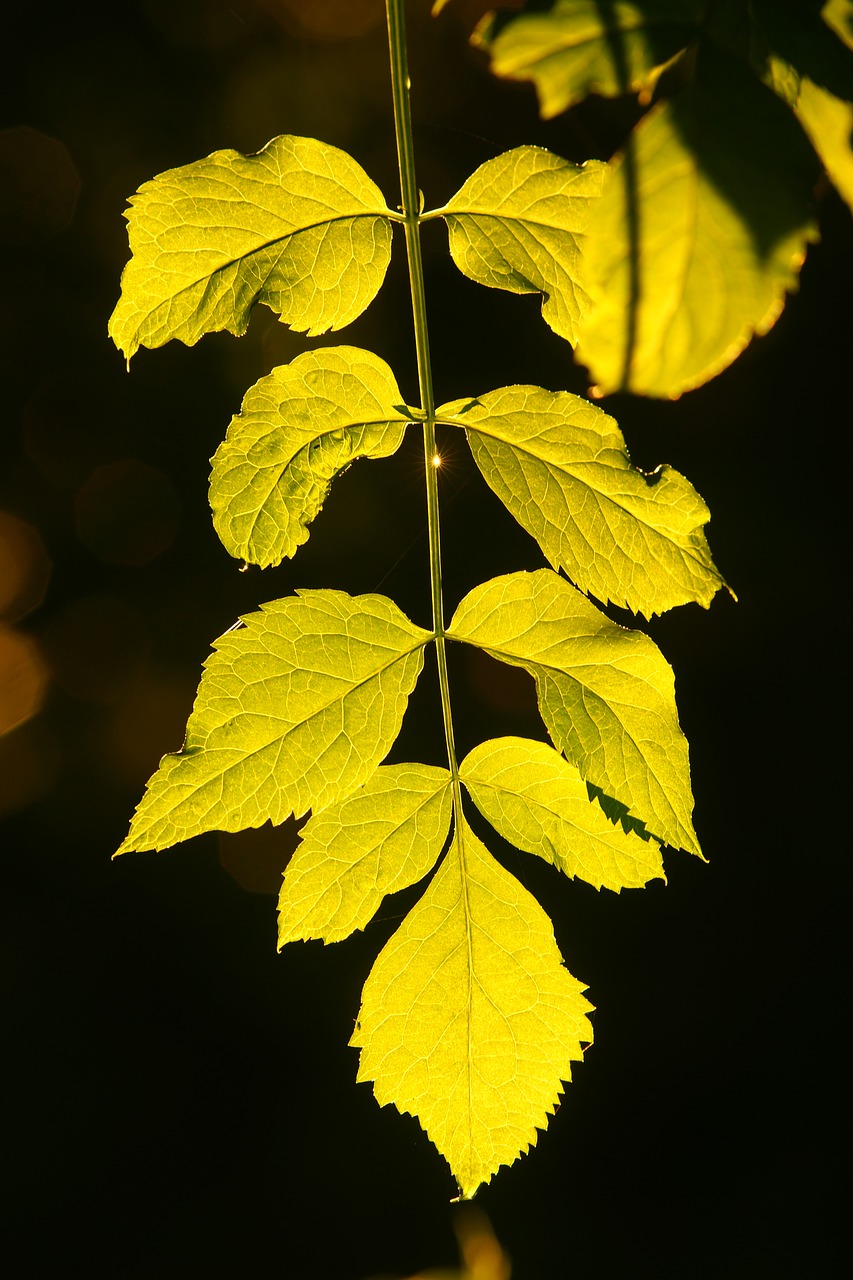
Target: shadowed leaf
701, 230
605, 693
538, 802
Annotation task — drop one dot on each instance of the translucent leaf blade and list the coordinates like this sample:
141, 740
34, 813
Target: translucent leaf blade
578, 47
538, 802
294, 711
828, 121
384, 837
297, 429
299, 226
518, 224
469, 1021
606, 694
560, 466
699, 235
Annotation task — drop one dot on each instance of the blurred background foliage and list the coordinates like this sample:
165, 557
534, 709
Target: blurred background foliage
181, 1101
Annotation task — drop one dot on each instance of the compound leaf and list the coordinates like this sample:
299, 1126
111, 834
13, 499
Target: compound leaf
578, 47
298, 226
384, 837
298, 428
295, 710
560, 466
605, 693
518, 223
469, 1021
701, 230
538, 802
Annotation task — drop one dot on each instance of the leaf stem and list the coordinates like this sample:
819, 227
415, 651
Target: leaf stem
411, 210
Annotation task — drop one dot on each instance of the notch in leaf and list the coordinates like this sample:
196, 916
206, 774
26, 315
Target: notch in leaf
560, 466
297, 429
518, 224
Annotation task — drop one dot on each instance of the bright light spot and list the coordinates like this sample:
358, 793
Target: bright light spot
436, 460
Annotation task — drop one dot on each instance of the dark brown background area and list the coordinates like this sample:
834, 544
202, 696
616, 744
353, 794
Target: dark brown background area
180, 1100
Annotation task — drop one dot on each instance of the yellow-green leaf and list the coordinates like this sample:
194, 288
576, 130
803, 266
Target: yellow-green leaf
828, 121
299, 227
578, 47
385, 836
469, 1021
518, 224
560, 465
538, 801
701, 230
606, 694
295, 710
298, 428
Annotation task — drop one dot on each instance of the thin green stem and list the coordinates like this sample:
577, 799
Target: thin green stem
411, 211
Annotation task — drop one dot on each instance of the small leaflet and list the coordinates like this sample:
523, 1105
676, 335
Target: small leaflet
700, 233
469, 1020
538, 802
299, 226
606, 694
298, 428
518, 224
295, 710
828, 121
384, 837
560, 466
578, 47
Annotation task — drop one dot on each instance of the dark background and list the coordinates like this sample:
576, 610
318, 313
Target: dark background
180, 1100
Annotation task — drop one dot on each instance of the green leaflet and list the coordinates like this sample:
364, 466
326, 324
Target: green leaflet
812, 47
518, 224
294, 711
297, 429
700, 232
538, 802
828, 121
578, 47
299, 226
468, 1020
381, 839
559, 464
605, 693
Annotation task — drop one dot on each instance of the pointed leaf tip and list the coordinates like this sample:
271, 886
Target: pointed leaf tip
469, 1020
295, 710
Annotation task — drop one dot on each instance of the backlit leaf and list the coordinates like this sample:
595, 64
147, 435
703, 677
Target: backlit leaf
469, 1021
538, 802
385, 836
560, 466
299, 226
828, 121
701, 230
294, 711
578, 47
518, 224
298, 428
605, 693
